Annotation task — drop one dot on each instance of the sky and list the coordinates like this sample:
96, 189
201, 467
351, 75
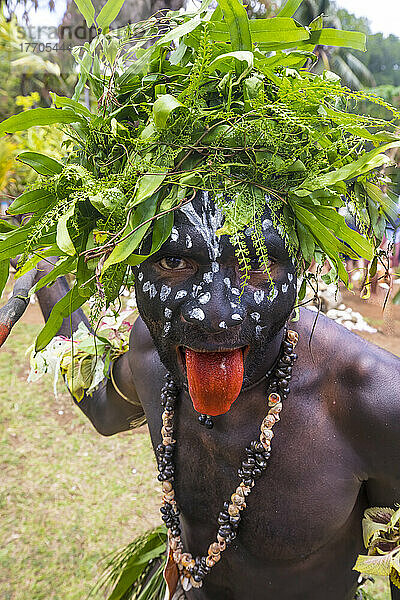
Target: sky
383, 15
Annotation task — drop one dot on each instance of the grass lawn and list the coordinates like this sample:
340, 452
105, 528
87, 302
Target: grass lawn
68, 496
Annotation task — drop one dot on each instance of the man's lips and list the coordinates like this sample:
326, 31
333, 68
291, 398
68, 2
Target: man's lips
214, 378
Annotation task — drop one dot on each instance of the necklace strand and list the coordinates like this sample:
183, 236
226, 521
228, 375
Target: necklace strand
192, 571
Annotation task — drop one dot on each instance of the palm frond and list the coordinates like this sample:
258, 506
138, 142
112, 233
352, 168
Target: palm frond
136, 571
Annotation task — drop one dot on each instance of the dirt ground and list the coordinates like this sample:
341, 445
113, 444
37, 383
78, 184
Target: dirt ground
386, 321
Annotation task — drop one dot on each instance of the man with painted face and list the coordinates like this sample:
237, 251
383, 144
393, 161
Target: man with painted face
335, 450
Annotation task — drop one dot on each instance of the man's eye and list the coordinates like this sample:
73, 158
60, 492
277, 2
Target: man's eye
173, 263
257, 265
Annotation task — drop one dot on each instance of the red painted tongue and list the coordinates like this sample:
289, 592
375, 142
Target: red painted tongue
215, 379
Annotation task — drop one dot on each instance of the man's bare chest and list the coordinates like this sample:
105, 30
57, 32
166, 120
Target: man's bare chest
305, 496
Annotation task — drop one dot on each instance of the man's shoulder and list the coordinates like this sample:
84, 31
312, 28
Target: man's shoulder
355, 365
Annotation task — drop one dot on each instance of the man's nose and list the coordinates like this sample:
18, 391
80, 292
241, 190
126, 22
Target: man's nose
216, 307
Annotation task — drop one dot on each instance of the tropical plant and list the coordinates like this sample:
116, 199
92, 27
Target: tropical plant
216, 102
352, 70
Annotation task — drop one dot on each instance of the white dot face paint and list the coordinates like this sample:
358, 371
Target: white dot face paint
204, 298
255, 316
223, 325
215, 267
188, 241
235, 291
290, 276
164, 292
196, 290
208, 277
174, 234
233, 304
258, 330
248, 231
180, 294
258, 296
284, 287
167, 327
140, 276
237, 317
146, 286
153, 291
267, 224
227, 282
273, 295
197, 313
168, 313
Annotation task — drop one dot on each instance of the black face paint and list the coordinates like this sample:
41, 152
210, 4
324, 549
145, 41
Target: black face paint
188, 293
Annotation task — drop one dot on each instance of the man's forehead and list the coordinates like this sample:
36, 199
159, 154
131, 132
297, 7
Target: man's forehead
196, 225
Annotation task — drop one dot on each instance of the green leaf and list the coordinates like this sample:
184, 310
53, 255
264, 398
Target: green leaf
108, 13
63, 101
374, 565
339, 38
13, 243
125, 248
225, 62
161, 232
278, 29
4, 271
146, 187
237, 22
31, 202
37, 116
63, 266
86, 9
337, 224
382, 199
362, 165
84, 65
63, 239
64, 307
289, 8
307, 244
42, 164
164, 108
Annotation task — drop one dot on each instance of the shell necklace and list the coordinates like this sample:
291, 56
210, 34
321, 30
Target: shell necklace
192, 570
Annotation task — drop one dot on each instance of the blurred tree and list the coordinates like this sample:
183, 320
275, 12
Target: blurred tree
347, 64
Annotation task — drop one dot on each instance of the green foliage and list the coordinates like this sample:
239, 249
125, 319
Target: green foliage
382, 538
197, 102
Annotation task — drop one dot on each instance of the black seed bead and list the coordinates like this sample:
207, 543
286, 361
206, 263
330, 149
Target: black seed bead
248, 482
284, 383
247, 471
249, 462
222, 520
169, 449
200, 573
234, 520
224, 531
202, 419
164, 510
286, 359
226, 506
197, 578
197, 561
257, 473
224, 514
209, 423
262, 464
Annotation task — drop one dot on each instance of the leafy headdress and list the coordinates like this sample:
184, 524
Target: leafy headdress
205, 101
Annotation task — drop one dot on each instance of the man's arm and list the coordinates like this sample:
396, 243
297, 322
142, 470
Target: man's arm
377, 435
106, 408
